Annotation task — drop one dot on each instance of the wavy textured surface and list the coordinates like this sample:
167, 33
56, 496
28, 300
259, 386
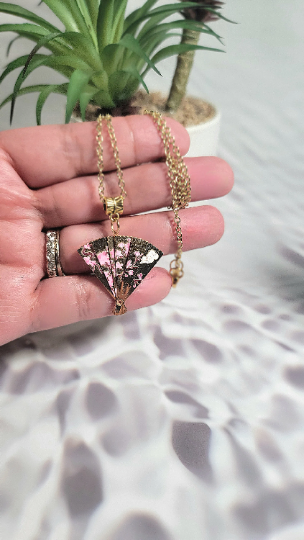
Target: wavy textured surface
184, 421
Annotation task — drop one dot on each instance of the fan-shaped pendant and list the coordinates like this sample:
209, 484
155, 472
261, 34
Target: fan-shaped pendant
120, 263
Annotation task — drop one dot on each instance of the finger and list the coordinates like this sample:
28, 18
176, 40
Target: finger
45, 155
66, 300
77, 201
201, 226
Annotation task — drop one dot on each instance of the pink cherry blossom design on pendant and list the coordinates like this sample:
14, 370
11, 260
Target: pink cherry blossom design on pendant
120, 263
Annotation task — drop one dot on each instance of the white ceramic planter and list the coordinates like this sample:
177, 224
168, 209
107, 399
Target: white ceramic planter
204, 137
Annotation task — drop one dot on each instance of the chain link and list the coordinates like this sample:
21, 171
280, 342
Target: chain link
179, 180
177, 173
113, 140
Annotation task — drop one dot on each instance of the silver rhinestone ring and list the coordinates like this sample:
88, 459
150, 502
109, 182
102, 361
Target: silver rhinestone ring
53, 264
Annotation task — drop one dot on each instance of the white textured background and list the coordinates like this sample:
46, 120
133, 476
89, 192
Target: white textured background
183, 421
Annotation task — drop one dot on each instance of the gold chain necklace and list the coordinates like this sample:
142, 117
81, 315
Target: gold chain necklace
122, 262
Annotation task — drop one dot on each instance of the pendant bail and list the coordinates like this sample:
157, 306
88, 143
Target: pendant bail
113, 205
114, 218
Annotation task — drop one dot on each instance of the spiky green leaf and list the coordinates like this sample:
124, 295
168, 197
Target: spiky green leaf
104, 100
172, 50
85, 12
100, 80
34, 33
63, 42
19, 62
83, 48
157, 35
112, 56
105, 24
65, 65
69, 14
13, 9
44, 94
11, 43
162, 11
135, 18
119, 19
159, 38
132, 73
68, 61
93, 7
22, 75
118, 85
62, 89
173, 25
130, 43
91, 26
212, 32
218, 14
78, 82
84, 100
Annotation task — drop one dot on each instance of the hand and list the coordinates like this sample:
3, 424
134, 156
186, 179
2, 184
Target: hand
48, 179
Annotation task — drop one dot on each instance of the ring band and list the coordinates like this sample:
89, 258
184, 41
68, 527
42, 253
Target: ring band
53, 264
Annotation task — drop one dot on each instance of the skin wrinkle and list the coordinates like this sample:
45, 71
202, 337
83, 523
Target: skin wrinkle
38, 206
54, 206
132, 139
34, 320
87, 301
172, 235
93, 157
47, 204
10, 311
82, 153
34, 309
10, 191
9, 159
83, 298
69, 143
10, 236
5, 156
15, 211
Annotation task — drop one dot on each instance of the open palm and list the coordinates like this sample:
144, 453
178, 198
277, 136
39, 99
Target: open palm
48, 179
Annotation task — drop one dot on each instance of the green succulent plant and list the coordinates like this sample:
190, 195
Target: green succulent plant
103, 53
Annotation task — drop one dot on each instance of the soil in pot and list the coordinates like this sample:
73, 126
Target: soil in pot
193, 111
